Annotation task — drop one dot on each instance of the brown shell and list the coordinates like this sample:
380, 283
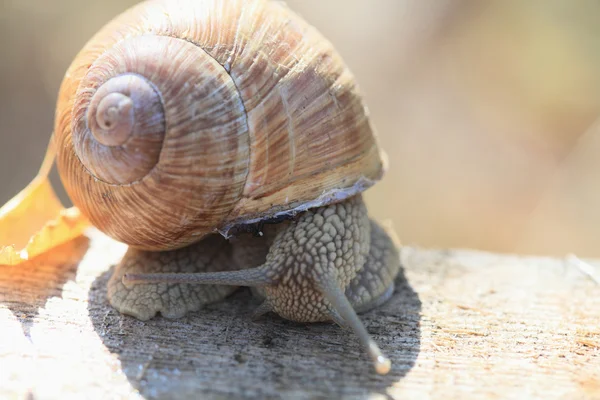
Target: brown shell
241, 111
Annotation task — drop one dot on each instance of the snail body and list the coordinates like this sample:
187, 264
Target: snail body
179, 122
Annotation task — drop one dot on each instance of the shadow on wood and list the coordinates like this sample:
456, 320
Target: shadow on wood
482, 324
219, 351
25, 288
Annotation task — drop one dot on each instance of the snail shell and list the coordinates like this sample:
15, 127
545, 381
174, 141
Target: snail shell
181, 118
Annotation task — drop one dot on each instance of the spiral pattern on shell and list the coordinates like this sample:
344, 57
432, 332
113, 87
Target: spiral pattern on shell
179, 118
120, 129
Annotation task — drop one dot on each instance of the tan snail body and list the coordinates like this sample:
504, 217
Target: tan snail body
181, 119
237, 110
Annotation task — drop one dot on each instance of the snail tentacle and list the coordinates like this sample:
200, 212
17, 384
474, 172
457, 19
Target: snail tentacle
247, 277
341, 308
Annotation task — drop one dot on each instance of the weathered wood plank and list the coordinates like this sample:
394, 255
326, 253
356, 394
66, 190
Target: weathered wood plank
462, 324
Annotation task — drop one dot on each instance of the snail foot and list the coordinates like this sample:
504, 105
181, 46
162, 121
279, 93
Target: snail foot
172, 300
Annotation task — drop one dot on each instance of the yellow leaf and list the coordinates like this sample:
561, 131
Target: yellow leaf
35, 220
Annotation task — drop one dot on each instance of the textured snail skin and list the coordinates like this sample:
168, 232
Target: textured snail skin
330, 263
181, 118
213, 253
367, 265
338, 239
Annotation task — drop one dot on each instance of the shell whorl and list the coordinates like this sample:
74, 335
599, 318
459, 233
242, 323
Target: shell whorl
182, 118
159, 139
112, 118
119, 132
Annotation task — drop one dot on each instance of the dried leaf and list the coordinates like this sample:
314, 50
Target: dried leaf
35, 220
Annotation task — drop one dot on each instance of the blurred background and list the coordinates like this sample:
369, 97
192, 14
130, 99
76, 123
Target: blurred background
488, 110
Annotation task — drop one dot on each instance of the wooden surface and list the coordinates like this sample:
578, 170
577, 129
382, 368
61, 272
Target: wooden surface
461, 325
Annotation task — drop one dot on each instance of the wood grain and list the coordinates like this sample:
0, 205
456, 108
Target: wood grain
461, 324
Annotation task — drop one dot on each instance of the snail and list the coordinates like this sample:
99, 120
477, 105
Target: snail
182, 125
